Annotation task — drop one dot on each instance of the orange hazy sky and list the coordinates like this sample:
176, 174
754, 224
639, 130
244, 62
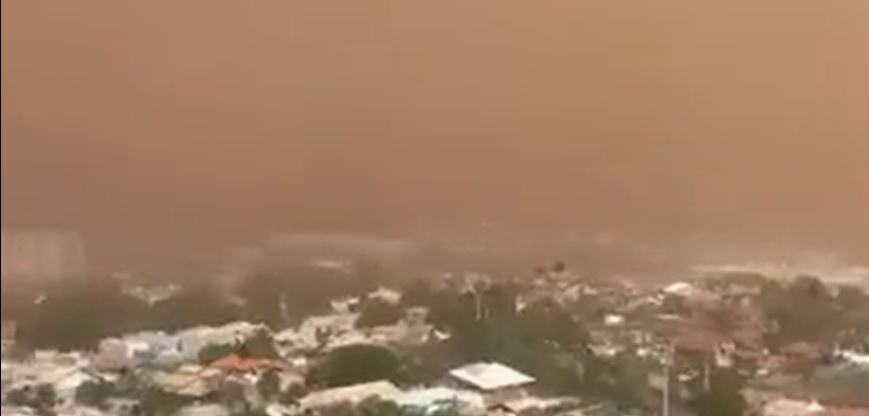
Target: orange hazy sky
146, 122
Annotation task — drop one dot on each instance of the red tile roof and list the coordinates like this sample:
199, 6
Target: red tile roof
239, 364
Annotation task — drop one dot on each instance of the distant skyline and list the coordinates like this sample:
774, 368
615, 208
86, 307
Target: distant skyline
162, 127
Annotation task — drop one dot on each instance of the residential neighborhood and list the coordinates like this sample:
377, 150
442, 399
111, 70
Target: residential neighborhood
458, 343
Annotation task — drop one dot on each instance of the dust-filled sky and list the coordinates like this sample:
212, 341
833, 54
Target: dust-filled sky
160, 124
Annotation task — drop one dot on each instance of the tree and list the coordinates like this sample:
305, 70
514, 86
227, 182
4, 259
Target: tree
156, 402
356, 364
41, 397
214, 352
500, 301
196, 305
377, 312
94, 393
623, 380
377, 407
76, 315
281, 297
549, 323
269, 386
45, 397
723, 399
264, 295
805, 310
260, 345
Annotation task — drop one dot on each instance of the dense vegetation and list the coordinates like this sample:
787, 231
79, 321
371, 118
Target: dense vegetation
76, 315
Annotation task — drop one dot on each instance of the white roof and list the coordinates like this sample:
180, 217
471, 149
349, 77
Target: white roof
856, 358
433, 397
787, 407
203, 410
680, 288
386, 295
614, 320
491, 376
15, 411
351, 394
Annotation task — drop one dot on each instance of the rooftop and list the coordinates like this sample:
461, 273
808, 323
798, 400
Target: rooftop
491, 376
351, 394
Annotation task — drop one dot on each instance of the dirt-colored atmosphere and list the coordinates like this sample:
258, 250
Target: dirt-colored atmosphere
157, 127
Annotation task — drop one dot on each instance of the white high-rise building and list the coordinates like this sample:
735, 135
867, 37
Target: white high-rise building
42, 255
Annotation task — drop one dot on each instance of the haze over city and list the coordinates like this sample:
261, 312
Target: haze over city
162, 127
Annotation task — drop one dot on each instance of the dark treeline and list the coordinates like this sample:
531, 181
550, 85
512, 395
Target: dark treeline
77, 314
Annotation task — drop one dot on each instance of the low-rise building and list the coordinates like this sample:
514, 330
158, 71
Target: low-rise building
496, 382
352, 395
437, 398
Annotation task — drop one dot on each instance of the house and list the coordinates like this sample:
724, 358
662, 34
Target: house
350, 395
203, 410
437, 398
788, 407
387, 295
531, 406
16, 411
188, 382
316, 331
855, 358
239, 365
496, 382
172, 350
118, 354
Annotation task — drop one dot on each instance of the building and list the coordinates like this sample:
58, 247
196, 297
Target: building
496, 382
353, 395
42, 255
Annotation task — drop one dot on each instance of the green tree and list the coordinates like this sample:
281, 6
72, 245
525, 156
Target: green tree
269, 386
41, 397
77, 315
260, 345
623, 380
156, 402
94, 393
45, 397
197, 304
377, 312
724, 398
356, 364
548, 322
214, 352
804, 310
264, 295
377, 407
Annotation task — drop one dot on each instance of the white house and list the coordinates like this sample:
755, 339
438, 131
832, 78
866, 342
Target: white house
350, 395
496, 382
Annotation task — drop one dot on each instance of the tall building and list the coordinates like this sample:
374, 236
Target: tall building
42, 255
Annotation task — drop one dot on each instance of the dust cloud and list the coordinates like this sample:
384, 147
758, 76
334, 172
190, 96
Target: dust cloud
160, 127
